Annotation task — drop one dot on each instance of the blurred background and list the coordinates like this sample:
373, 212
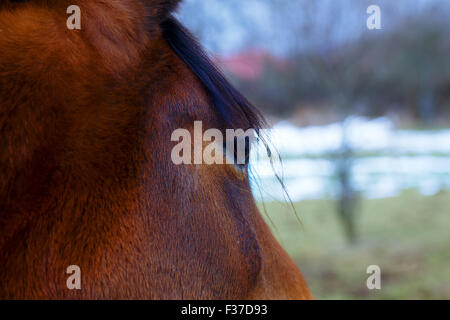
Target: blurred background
361, 119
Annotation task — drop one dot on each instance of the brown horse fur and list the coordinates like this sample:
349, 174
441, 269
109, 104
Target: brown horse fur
86, 176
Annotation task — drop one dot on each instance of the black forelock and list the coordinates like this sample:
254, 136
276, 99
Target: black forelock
233, 108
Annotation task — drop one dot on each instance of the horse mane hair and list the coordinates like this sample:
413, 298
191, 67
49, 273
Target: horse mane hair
230, 104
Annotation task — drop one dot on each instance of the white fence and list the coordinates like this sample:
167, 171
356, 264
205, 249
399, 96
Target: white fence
387, 161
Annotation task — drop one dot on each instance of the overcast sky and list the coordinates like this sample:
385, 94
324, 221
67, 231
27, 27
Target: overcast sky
227, 26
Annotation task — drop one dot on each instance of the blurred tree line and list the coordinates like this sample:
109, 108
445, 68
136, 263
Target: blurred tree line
404, 70
321, 53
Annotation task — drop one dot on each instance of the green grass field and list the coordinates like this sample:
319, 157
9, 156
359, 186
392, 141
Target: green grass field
407, 236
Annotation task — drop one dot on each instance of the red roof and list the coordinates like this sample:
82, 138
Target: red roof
247, 65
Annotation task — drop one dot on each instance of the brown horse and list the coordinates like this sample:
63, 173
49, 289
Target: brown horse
86, 176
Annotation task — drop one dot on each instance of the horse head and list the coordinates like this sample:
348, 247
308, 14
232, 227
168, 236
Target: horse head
86, 175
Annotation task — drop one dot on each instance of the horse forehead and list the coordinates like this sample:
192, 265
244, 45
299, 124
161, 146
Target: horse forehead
161, 7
